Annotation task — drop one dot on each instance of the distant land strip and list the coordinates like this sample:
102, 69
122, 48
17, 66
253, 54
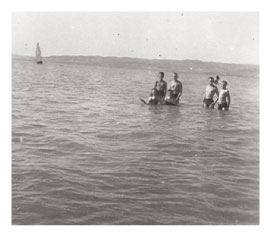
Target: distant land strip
180, 66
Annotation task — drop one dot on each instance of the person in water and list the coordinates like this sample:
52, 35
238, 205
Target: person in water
161, 87
224, 97
174, 90
211, 90
153, 97
216, 81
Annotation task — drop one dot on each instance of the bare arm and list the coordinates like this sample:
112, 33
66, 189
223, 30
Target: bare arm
180, 91
229, 98
164, 93
165, 88
169, 86
217, 93
213, 104
155, 84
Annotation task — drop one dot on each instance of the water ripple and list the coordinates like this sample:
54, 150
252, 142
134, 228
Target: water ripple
86, 152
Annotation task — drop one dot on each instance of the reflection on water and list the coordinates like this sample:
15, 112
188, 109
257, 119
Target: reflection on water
85, 150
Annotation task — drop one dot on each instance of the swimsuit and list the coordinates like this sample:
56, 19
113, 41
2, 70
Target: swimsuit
223, 105
171, 99
174, 96
208, 102
160, 89
152, 100
160, 93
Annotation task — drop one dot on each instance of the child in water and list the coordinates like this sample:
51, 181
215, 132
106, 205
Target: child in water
152, 97
170, 98
224, 97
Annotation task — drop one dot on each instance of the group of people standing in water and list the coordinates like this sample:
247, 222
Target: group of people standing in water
223, 95
163, 94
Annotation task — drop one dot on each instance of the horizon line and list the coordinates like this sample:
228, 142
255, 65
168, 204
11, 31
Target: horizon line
141, 58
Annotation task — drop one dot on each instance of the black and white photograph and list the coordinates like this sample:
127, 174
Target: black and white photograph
135, 118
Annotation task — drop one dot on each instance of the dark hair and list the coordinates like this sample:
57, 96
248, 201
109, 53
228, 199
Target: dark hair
217, 77
211, 78
162, 73
225, 82
153, 90
176, 74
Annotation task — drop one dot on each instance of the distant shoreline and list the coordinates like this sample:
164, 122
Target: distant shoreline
184, 66
130, 58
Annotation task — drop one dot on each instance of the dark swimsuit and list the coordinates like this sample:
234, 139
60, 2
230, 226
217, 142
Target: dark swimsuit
223, 105
160, 94
153, 101
208, 102
173, 97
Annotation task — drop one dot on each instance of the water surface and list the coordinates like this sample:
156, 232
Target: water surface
85, 150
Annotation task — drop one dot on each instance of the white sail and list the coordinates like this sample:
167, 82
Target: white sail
38, 54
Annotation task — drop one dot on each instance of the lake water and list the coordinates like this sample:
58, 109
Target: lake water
85, 150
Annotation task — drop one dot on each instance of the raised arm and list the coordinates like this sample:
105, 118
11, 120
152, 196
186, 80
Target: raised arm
217, 93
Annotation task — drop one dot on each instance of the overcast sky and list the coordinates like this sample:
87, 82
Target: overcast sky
220, 37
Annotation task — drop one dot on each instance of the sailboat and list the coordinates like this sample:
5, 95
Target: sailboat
38, 54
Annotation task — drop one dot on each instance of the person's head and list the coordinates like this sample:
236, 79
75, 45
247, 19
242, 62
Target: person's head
210, 80
175, 76
161, 75
169, 93
224, 84
153, 92
217, 77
